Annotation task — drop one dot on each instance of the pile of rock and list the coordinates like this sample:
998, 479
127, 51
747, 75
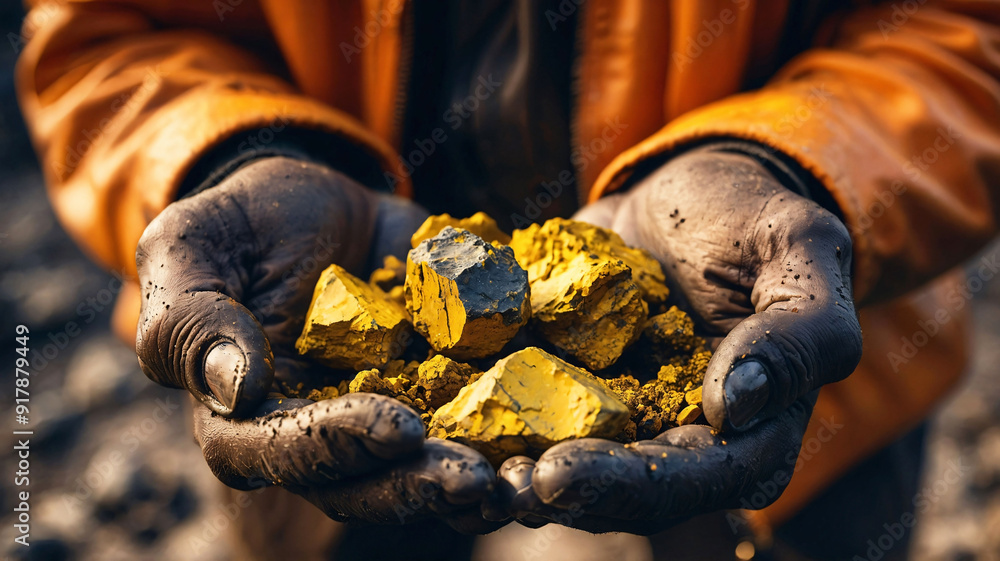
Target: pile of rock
471, 298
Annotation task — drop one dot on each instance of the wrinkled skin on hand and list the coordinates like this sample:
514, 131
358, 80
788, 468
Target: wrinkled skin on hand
764, 270
227, 277
358, 458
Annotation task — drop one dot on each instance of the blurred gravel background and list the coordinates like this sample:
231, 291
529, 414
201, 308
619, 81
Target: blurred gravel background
115, 473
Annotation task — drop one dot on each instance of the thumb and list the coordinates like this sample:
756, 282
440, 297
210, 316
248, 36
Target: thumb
192, 332
804, 334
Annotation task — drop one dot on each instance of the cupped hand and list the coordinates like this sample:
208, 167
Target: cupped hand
227, 276
358, 458
760, 267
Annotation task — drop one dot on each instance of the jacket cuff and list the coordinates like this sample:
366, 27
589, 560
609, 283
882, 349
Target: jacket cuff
783, 167
306, 145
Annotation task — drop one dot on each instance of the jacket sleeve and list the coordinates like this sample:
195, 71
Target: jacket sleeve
122, 100
898, 116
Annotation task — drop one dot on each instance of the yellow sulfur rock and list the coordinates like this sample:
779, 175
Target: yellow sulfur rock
673, 331
351, 324
688, 415
525, 404
543, 246
441, 379
479, 224
468, 298
694, 396
398, 295
369, 381
329, 392
390, 275
586, 305
423, 386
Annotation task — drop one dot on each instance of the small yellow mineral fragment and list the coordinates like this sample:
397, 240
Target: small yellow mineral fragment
688, 415
391, 274
479, 224
693, 397
351, 324
466, 297
525, 404
369, 381
441, 379
673, 332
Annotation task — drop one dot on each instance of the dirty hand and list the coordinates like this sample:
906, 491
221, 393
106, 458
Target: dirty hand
358, 458
227, 276
756, 264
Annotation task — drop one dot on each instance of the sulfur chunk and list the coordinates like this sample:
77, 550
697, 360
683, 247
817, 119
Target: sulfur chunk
351, 324
329, 392
661, 403
369, 381
688, 415
390, 275
544, 244
586, 305
467, 297
694, 396
400, 368
673, 330
479, 224
398, 295
525, 404
440, 379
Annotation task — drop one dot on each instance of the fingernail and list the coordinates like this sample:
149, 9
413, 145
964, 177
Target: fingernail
225, 370
747, 391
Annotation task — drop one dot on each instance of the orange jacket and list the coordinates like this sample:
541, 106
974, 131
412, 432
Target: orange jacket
896, 110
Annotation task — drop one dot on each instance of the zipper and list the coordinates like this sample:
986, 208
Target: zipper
574, 99
405, 72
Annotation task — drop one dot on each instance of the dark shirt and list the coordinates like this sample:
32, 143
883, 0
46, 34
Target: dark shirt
487, 117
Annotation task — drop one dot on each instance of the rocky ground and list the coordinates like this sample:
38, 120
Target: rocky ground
115, 474
114, 471
964, 524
